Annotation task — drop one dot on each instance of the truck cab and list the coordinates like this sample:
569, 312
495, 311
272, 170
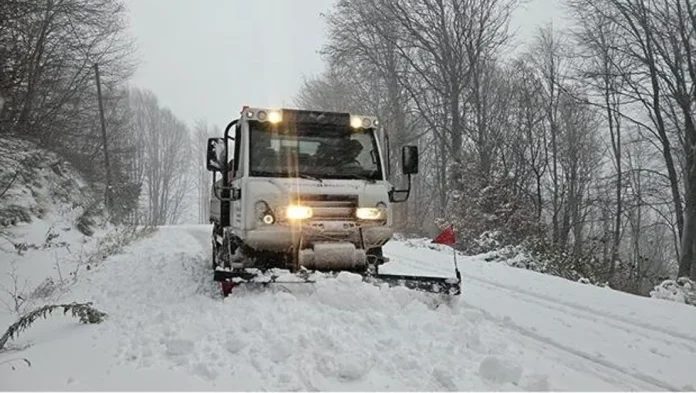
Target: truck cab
300, 188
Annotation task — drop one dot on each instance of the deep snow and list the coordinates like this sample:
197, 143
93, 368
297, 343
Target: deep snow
169, 329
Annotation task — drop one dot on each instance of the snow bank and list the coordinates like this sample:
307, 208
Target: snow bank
682, 290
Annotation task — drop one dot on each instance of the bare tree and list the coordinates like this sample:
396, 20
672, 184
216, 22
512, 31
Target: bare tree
551, 64
530, 146
166, 158
599, 40
656, 37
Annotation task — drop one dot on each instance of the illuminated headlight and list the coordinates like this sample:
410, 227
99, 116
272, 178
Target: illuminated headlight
274, 117
369, 213
297, 212
355, 122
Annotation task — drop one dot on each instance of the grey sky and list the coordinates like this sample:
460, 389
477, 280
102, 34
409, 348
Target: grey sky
205, 59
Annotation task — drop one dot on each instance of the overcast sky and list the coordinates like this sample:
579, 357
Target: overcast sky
205, 59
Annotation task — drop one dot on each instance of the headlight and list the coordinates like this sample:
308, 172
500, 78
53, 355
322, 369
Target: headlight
297, 212
369, 213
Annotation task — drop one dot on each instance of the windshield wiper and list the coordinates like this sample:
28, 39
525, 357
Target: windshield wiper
311, 177
267, 174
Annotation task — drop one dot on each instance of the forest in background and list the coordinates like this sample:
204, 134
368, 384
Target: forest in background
578, 150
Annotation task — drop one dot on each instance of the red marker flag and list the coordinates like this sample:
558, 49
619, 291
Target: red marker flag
446, 237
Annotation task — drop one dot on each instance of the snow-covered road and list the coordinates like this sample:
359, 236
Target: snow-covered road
168, 328
629, 342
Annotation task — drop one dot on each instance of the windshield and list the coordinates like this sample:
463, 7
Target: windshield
318, 151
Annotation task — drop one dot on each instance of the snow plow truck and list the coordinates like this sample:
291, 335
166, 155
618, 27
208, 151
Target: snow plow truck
299, 192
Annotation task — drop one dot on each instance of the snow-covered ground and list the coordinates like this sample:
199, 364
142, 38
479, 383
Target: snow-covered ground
168, 328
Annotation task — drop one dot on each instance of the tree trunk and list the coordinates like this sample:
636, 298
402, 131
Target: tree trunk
686, 265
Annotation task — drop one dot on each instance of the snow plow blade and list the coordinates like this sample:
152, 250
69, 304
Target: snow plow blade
438, 285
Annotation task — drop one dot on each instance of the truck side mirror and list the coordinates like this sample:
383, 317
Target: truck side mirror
409, 160
215, 157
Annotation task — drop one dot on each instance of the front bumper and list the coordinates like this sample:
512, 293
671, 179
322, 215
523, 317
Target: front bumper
281, 237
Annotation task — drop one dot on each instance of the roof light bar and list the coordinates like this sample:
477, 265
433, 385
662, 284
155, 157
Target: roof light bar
310, 117
359, 121
263, 115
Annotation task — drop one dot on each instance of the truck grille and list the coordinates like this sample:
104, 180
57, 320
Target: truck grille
331, 207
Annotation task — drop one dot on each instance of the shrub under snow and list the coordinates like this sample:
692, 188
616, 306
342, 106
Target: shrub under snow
682, 290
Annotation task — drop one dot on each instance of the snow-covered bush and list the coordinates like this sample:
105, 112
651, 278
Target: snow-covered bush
681, 290
489, 213
539, 256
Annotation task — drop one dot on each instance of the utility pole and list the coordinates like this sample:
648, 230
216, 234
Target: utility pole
107, 194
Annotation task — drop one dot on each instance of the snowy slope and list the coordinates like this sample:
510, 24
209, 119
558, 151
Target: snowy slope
51, 212
168, 328
49, 223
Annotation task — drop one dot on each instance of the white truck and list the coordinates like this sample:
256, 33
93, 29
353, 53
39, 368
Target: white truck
304, 191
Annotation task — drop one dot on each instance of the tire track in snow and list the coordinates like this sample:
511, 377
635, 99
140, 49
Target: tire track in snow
594, 317
648, 382
577, 310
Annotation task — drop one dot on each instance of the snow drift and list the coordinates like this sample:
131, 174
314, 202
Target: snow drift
682, 290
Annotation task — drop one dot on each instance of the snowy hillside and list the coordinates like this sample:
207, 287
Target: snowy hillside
50, 222
168, 328
38, 184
